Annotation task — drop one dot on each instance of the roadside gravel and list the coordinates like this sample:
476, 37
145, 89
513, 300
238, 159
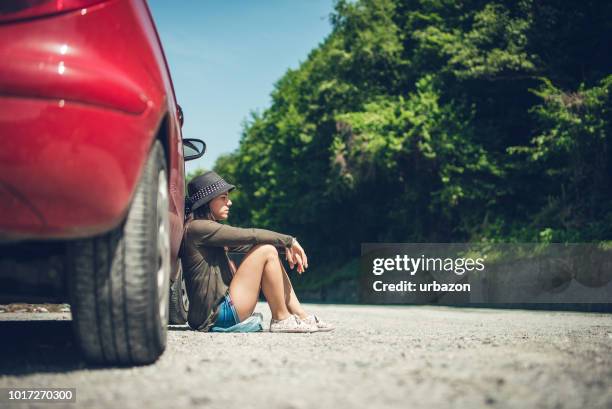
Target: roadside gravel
378, 357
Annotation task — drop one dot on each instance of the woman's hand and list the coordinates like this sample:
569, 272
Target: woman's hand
296, 255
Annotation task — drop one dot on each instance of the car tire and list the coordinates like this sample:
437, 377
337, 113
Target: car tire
179, 301
119, 281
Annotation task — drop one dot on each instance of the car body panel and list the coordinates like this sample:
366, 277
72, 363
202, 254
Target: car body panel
80, 184
83, 96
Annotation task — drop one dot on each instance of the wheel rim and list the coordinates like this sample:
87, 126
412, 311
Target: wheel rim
184, 297
163, 248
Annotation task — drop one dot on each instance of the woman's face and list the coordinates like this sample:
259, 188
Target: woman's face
219, 206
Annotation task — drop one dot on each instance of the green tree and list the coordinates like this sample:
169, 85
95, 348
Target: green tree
437, 120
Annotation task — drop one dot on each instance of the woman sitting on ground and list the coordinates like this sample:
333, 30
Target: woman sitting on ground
221, 296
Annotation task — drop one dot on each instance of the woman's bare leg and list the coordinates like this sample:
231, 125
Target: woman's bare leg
291, 300
261, 268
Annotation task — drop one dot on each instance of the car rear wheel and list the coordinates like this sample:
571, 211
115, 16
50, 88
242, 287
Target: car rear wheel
119, 281
179, 301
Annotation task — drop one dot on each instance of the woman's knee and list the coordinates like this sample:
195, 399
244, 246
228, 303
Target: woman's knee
267, 250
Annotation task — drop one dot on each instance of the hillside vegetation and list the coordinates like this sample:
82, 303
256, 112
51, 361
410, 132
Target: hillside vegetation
437, 121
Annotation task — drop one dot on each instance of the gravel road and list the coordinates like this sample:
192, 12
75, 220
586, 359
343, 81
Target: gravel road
378, 357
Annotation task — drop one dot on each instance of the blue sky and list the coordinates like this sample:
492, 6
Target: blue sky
225, 57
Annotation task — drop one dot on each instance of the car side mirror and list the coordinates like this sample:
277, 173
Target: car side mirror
193, 149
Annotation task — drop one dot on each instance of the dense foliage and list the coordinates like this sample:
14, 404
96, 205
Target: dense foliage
437, 120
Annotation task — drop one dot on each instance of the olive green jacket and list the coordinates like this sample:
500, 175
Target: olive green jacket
206, 266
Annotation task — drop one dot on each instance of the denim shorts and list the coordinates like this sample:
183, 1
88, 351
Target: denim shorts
227, 314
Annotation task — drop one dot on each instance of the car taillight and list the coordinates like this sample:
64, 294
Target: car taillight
11, 10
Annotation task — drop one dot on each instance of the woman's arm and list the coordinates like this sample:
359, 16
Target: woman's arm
240, 249
210, 233
247, 247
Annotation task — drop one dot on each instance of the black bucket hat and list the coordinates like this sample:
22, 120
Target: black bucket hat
202, 189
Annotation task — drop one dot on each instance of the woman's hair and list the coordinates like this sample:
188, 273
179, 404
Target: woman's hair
203, 212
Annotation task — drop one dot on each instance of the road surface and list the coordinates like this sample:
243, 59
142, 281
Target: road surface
379, 357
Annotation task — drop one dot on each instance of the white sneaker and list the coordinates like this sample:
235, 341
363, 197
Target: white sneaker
291, 324
322, 326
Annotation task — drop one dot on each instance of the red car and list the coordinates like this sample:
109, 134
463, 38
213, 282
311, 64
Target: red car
91, 171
